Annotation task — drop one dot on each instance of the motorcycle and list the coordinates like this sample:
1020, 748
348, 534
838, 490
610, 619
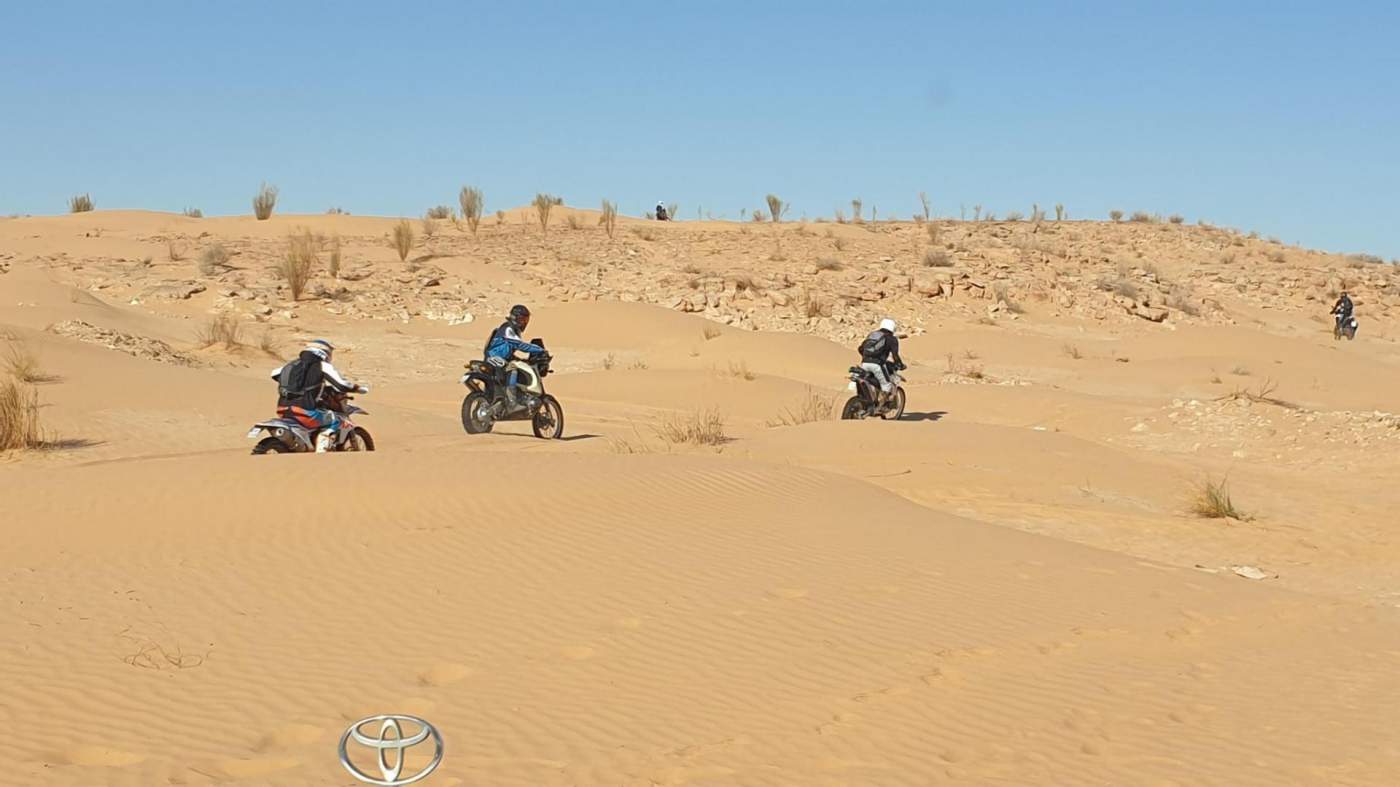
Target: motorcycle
866, 402
1345, 328
288, 436
487, 403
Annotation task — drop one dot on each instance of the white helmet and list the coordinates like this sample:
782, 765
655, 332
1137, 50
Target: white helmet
887, 324
322, 348
660, 204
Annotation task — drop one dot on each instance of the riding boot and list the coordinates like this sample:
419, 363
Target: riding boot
323, 442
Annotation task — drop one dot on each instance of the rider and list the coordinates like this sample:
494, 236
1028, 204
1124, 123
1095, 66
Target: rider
505, 341
1342, 308
661, 214
299, 385
875, 352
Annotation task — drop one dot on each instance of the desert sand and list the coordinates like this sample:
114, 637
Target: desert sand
1006, 587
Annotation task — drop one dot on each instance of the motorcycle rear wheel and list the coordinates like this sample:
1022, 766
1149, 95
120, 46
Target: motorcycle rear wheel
476, 409
854, 409
897, 412
270, 445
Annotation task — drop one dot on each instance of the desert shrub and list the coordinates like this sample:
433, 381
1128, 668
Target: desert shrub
923, 200
1211, 500
673, 211
194, 213
221, 329
299, 261
971, 371
1176, 218
334, 265
544, 203
439, 212
1278, 256
471, 201
932, 230
812, 407
712, 332
856, 211
775, 207
573, 222
609, 218
429, 227
264, 201
701, 427
212, 259
1003, 294
1115, 215
937, 258
758, 216
829, 264
80, 204
1072, 351
500, 217
401, 239
174, 251
839, 218
337, 212
19, 417
839, 243
1015, 215
1059, 212
1142, 217
741, 370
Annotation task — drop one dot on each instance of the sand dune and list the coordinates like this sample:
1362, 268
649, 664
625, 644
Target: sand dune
1006, 587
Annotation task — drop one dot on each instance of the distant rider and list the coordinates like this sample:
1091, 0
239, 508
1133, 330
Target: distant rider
661, 214
505, 341
299, 386
1342, 308
877, 350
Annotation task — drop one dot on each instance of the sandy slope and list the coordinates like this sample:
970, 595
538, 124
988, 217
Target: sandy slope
1003, 588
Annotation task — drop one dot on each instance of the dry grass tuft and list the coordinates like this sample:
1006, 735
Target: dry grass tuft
221, 329
829, 264
439, 212
1115, 215
701, 427
429, 227
194, 213
1211, 500
712, 332
80, 204
471, 201
1072, 351
264, 201
402, 239
741, 370
609, 218
935, 258
212, 259
573, 222
174, 251
299, 261
334, 264
23, 364
19, 417
1176, 218
971, 371
812, 407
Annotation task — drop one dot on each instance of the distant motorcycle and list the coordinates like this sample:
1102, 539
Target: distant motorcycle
1345, 328
288, 436
486, 403
866, 402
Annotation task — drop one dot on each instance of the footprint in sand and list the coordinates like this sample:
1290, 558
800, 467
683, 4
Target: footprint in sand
98, 756
576, 652
289, 736
789, 593
443, 674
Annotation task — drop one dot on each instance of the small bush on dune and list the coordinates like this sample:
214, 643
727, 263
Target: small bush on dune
741, 370
221, 329
812, 407
22, 363
1059, 212
711, 332
775, 207
429, 227
934, 258
1142, 217
19, 417
212, 259
194, 213
334, 265
573, 222
402, 239
471, 201
544, 203
758, 216
856, 211
609, 218
1211, 500
701, 427
264, 202
1115, 215
299, 261
439, 212
923, 200
80, 204
1072, 351
1176, 218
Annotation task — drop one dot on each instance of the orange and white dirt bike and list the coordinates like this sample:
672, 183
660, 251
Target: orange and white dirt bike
289, 436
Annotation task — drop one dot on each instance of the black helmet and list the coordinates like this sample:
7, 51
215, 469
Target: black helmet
519, 315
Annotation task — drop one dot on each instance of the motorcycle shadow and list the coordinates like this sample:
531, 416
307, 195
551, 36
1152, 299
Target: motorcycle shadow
936, 415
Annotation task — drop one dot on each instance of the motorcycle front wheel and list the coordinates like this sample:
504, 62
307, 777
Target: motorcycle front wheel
359, 440
476, 413
549, 419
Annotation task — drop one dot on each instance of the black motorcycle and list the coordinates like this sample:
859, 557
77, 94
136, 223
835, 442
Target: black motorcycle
487, 402
1344, 327
866, 402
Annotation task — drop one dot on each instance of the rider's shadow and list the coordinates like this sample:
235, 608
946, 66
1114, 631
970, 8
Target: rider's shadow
936, 415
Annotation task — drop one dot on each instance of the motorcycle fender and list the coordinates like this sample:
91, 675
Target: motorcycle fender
852, 386
477, 382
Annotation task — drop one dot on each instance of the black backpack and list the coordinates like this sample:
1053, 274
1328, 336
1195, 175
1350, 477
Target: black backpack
874, 345
298, 379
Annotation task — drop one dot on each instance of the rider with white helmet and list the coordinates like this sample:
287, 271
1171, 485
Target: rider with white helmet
877, 350
299, 386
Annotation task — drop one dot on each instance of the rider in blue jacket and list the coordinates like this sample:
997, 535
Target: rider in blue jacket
506, 341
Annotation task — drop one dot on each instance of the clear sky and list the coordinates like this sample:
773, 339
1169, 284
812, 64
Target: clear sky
1282, 117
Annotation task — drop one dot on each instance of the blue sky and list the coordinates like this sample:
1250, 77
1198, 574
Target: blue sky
1282, 117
